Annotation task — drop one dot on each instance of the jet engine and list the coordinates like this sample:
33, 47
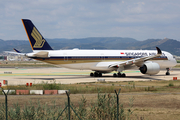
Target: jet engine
150, 68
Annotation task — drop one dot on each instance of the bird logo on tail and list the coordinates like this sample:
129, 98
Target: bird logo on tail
38, 38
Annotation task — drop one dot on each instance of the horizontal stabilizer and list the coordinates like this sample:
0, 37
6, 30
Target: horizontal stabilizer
16, 50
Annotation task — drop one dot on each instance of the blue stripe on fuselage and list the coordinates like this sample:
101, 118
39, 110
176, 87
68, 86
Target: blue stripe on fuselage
98, 57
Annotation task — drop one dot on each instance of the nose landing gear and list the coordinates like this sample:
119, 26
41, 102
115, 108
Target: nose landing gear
167, 73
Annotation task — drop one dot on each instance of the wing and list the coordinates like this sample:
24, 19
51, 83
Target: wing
137, 60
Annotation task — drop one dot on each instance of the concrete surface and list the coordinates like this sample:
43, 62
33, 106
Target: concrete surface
70, 76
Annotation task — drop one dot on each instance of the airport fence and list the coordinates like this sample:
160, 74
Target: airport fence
107, 107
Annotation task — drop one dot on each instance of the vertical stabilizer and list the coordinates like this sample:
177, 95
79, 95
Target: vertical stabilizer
36, 40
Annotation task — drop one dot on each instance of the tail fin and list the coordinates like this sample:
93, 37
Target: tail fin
36, 40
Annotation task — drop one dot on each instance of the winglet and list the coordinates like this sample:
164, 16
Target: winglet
158, 51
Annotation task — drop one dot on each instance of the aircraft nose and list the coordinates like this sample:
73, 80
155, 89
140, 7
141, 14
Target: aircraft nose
175, 61
172, 60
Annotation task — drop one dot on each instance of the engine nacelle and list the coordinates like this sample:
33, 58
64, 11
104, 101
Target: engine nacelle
150, 68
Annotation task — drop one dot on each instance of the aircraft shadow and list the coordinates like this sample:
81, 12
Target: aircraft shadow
104, 76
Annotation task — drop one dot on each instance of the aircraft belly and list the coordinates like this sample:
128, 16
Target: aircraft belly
167, 64
83, 64
87, 66
80, 66
162, 63
96, 65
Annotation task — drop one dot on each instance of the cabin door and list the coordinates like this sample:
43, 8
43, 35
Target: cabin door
65, 57
102, 57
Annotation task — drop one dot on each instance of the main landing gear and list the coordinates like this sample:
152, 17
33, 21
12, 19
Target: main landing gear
99, 74
119, 75
167, 73
96, 74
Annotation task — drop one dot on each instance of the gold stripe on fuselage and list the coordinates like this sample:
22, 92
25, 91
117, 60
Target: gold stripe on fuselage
74, 61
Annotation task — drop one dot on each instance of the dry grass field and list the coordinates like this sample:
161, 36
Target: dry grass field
145, 105
163, 103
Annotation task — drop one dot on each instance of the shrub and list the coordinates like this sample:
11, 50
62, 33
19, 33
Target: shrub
171, 84
51, 86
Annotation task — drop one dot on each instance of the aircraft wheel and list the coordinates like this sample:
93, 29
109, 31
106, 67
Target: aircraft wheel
123, 75
96, 74
91, 74
114, 75
100, 74
119, 74
167, 73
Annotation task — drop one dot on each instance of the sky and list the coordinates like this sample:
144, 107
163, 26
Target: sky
138, 19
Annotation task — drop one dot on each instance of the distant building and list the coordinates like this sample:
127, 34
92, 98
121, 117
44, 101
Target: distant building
3, 58
13, 57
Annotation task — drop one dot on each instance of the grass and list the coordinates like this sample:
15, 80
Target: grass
146, 106
178, 61
159, 83
105, 107
171, 84
106, 87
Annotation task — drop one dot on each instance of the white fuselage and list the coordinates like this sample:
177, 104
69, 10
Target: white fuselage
99, 60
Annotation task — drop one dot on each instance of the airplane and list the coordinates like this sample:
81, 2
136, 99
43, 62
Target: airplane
149, 62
